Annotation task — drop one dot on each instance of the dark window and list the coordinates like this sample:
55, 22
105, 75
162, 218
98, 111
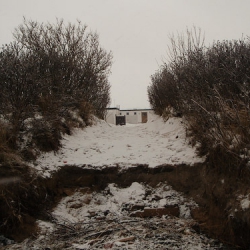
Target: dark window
134, 113
120, 113
127, 113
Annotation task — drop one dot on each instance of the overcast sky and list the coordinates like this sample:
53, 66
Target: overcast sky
136, 31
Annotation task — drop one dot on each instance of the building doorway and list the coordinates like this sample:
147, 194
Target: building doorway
120, 120
144, 117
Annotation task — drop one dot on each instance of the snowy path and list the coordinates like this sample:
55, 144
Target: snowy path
112, 218
154, 143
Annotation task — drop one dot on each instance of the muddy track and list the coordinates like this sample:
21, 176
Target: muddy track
215, 198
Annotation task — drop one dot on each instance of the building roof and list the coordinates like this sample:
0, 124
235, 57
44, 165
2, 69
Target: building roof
113, 108
135, 109
116, 108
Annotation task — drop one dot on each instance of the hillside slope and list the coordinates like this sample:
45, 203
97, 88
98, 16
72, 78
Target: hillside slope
153, 143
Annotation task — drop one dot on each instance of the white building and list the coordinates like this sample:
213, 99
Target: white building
111, 115
133, 116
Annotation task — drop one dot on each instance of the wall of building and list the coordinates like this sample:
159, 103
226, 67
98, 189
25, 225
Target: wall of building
111, 114
133, 116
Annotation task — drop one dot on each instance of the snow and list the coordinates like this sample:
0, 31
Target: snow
79, 206
153, 143
87, 214
245, 203
110, 218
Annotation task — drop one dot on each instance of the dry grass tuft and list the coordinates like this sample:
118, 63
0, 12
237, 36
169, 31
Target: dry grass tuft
8, 153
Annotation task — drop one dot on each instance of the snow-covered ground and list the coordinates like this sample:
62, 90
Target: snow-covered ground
154, 143
117, 218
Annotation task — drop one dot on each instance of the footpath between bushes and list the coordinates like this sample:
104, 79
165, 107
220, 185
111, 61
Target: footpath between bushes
28, 197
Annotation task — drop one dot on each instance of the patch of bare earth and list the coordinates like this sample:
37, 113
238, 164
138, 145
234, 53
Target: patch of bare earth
158, 217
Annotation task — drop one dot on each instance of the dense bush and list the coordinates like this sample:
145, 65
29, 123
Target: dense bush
210, 87
50, 71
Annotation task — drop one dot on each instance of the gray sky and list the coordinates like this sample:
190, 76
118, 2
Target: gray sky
136, 31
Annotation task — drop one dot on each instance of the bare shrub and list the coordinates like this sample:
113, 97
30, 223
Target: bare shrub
210, 87
72, 65
8, 154
85, 110
18, 84
162, 95
46, 137
51, 70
